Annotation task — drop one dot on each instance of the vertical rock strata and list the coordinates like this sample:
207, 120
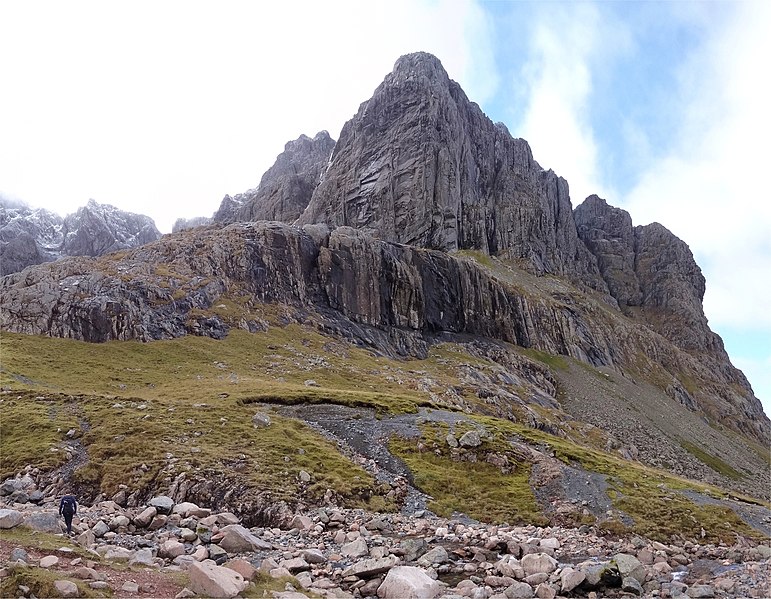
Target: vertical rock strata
420, 164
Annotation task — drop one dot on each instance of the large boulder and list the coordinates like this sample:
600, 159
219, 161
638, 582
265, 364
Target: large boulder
630, 566
538, 563
408, 582
43, 522
10, 518
162, 503
237, 539
210, 580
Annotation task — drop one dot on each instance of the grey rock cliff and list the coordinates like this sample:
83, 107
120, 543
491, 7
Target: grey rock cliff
27, 236
286, 188
420, 164
98, 229
31, 236
649, 268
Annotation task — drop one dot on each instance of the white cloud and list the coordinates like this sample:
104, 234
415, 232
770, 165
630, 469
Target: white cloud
162, 108
568, 42
709, 189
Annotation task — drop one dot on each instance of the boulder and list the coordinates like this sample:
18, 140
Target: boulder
187, 509
629, 565
538, 563
301, 522
313, 556
43, 522
355, 549
66, 588
117, 554
18, 555
142, 557
470, 439
700, 591
210, 580
571, 578
631, 585
171, 549
146, 516
519, 590
294, 565
86, 539
10, 518
100, 529
49, 561
437, 555
243, 567
237, 539
371, 567
163, 504
408, 582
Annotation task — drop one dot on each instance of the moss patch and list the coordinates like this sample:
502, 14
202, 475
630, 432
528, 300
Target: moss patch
461, 482
713, 462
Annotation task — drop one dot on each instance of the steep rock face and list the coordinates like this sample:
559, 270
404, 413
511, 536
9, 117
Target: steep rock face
648, 267
607, 232
31, 236
27, 236
286, 188
421, 165
98, 229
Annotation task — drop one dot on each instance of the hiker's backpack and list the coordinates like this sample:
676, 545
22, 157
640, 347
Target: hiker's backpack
68, 505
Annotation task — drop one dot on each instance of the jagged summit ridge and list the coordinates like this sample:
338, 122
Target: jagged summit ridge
285, 189
31, 236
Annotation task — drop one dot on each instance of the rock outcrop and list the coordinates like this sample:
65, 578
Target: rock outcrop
33, 236
27, 236
647, 267
98, 229
286, 188
421, 165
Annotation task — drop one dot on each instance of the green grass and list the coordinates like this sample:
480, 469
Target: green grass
139, 443
713, 462
40, 582
649, 496
145, 413
551, 360
42, 541
477, 256
475, 488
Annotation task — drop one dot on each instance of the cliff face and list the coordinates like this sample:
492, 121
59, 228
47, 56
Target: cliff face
421, 165
32, 236
286, 188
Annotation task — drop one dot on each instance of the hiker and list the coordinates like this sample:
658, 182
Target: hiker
68, 507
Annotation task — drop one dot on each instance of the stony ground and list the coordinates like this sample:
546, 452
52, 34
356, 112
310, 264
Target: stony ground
177, 550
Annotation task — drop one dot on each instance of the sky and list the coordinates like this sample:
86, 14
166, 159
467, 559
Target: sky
162, 108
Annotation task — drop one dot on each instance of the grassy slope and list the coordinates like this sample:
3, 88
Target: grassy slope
149, 411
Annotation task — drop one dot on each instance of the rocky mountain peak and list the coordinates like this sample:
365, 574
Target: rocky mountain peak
35, 235
419, 66
285, 189
98, 229
422, 165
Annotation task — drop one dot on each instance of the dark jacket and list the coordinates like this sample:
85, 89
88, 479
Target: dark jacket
68, 505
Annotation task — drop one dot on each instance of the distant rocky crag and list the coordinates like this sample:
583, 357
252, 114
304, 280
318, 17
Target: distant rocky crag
32, 236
